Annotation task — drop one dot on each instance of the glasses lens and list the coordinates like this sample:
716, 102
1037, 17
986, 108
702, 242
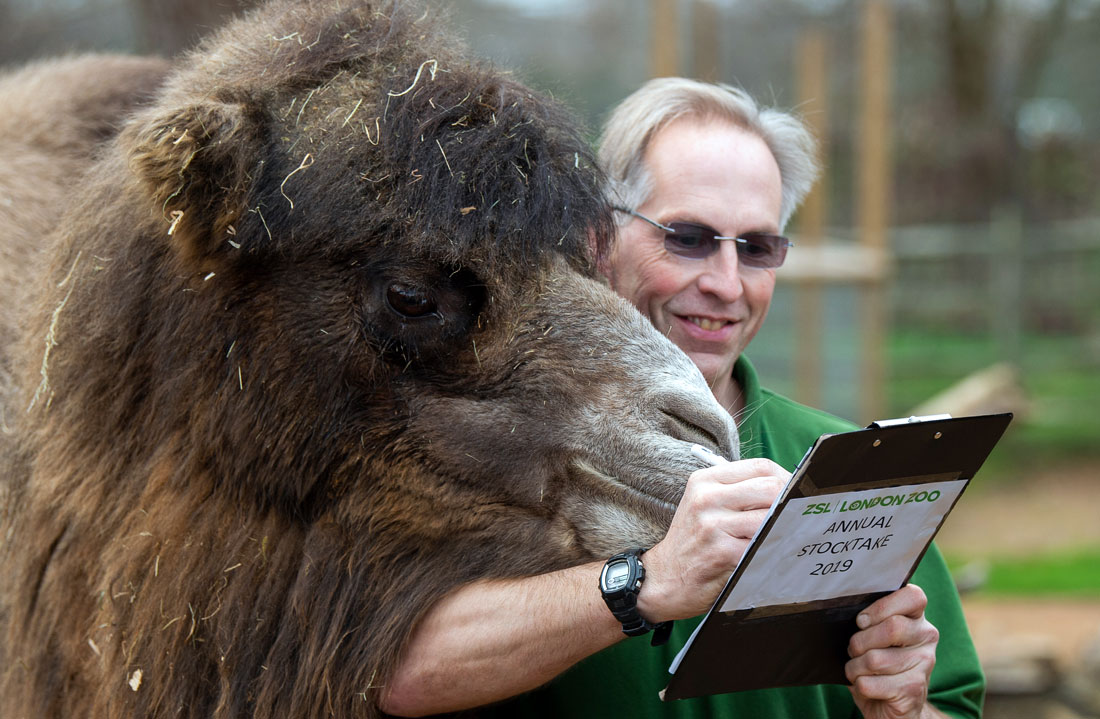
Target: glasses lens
761, 250
692, 241
698, 242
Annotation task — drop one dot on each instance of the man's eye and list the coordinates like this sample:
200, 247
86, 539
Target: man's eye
754, 248
686, 239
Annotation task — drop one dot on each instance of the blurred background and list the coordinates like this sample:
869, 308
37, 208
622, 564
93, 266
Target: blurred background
948, 261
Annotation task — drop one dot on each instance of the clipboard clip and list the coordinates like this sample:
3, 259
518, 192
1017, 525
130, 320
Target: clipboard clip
879, 424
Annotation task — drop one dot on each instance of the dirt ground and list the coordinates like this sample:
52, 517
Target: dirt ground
1053, 509
1064, 628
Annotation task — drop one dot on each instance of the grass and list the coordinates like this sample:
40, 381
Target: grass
1070, 573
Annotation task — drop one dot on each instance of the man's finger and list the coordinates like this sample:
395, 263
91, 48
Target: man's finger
909, 601
890, 662
894, 631
739, 471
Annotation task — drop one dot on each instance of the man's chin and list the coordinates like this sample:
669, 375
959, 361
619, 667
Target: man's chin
714, 366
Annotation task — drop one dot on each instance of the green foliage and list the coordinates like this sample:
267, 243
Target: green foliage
1068, 573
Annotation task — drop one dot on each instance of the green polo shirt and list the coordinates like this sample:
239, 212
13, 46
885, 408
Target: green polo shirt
623, 680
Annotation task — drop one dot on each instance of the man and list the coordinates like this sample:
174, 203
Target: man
704, 181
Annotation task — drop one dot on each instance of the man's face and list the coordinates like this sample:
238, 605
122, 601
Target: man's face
715, 174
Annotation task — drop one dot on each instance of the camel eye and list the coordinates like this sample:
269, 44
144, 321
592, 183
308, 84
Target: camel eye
410, 302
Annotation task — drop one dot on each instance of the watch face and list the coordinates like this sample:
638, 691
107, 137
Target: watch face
616, 575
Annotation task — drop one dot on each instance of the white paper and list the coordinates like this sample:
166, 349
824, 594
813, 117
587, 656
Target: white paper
843, 544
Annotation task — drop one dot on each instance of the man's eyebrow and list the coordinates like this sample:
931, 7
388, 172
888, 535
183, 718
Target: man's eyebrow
686, 217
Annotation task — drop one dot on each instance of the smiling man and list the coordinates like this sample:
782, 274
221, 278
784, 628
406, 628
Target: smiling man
704, 181
679, 259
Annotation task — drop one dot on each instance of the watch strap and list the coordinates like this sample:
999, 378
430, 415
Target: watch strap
625, 607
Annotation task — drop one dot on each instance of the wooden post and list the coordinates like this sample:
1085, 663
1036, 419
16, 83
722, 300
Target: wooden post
809, 295
665, 37
705, 44
1007, 261
873, 194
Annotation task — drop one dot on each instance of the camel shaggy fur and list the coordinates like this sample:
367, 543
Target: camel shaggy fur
305, 334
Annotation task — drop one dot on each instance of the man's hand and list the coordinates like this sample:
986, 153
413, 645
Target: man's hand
720, 511
478, 645
892, 657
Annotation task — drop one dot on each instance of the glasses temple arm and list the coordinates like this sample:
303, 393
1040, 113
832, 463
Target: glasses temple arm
643, 218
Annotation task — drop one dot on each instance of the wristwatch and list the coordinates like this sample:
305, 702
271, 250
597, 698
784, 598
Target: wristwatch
620, 580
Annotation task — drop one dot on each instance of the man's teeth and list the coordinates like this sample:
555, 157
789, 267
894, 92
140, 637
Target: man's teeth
707, 324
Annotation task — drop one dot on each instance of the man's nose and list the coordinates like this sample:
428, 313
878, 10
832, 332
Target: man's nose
721, 274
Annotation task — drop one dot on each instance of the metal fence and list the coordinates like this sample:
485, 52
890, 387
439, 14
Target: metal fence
1038, 277
1003, 280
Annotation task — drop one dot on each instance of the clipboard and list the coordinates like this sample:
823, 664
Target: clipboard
853, 523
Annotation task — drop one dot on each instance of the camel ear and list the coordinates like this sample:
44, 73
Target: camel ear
196, 164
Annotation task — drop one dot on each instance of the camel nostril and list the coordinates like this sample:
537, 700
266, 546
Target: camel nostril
688, 431
691, 419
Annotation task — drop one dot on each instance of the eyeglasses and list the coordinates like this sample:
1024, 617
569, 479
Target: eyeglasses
698, 242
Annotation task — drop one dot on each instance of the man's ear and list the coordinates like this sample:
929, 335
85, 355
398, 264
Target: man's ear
196, 163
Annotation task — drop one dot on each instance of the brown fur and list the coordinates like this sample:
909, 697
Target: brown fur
56, 113
318, 341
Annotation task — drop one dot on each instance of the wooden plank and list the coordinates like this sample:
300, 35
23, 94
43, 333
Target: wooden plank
994, 389
809, 296
874, 177
1007, 273
706, 40
835, 263
665, 37
873, 194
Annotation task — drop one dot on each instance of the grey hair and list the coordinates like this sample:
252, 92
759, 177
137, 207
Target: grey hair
634, 122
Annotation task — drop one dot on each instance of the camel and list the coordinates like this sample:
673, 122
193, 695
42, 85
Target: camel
306, 334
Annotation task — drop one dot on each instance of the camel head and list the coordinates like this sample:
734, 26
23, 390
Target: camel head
399, 240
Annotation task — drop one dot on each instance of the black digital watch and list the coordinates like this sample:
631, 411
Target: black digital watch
620, 581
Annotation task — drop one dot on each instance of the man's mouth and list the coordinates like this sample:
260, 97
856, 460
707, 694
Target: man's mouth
707, 324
